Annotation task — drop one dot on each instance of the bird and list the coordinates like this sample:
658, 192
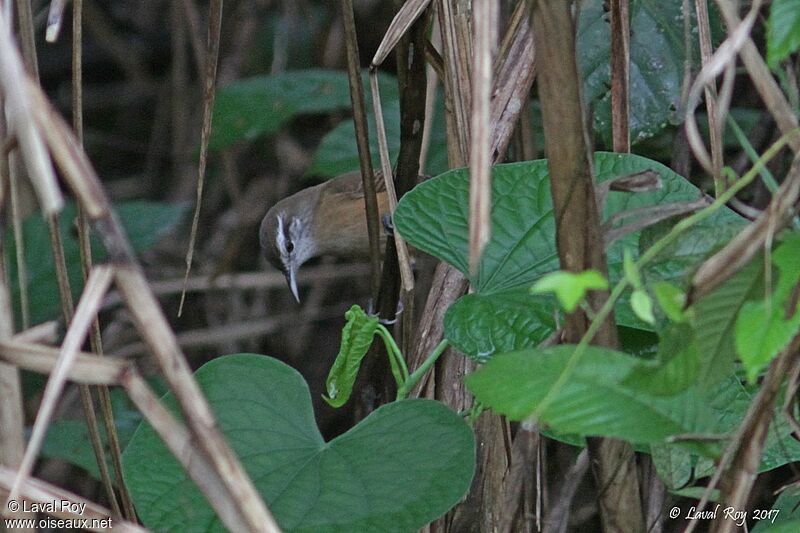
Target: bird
326, 219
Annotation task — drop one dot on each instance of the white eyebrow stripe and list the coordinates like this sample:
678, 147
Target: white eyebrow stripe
280, 238
295, 229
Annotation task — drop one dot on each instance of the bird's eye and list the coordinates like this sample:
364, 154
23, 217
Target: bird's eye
290, 246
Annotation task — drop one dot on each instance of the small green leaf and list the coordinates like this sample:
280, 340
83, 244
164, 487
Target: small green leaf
764, 327
783, 30
357, 337
761, 332
401, 467
642, 305
671, 300
632, 273
570, 288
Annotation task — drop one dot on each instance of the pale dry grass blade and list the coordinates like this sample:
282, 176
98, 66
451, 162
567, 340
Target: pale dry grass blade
41, 492
714, 123
722, 58
403, 258
18, 111
402, 21
87, 368
55, 17
362, 143
96, 287
765, 84
514, 70
45, 333
209, 93
480, 184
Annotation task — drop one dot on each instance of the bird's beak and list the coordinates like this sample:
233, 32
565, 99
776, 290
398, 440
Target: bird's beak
291, 280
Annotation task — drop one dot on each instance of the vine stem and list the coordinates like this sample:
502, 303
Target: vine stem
676, 231
412, 380
395, 355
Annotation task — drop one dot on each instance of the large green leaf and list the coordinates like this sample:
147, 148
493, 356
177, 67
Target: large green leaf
676, 366
404, 465
338, 152
714, 318
261, 105
433, 217
145, 224
593, 400
657, 62
783, 30
482, 325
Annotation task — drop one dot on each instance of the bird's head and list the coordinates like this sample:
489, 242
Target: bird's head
287, 237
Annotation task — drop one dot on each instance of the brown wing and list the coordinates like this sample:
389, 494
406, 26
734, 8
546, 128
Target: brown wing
351, 184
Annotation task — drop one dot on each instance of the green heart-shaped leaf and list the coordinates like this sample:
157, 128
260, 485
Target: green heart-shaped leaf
401, 467
433, 218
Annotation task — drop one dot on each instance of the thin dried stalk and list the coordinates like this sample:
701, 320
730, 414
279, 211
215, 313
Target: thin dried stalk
87, 368
726, 262
723, 58
44, 333
485, 16
89, 305
55, 17
401, 23
18, 111
739, 463
104, 396
714, 123
209, 92
362, 141
87, 402
26, 35
403, 258
620, 68
12, 418
35, 490
763, 81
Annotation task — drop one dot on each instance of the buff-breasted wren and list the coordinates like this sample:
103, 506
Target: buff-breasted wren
326, 219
